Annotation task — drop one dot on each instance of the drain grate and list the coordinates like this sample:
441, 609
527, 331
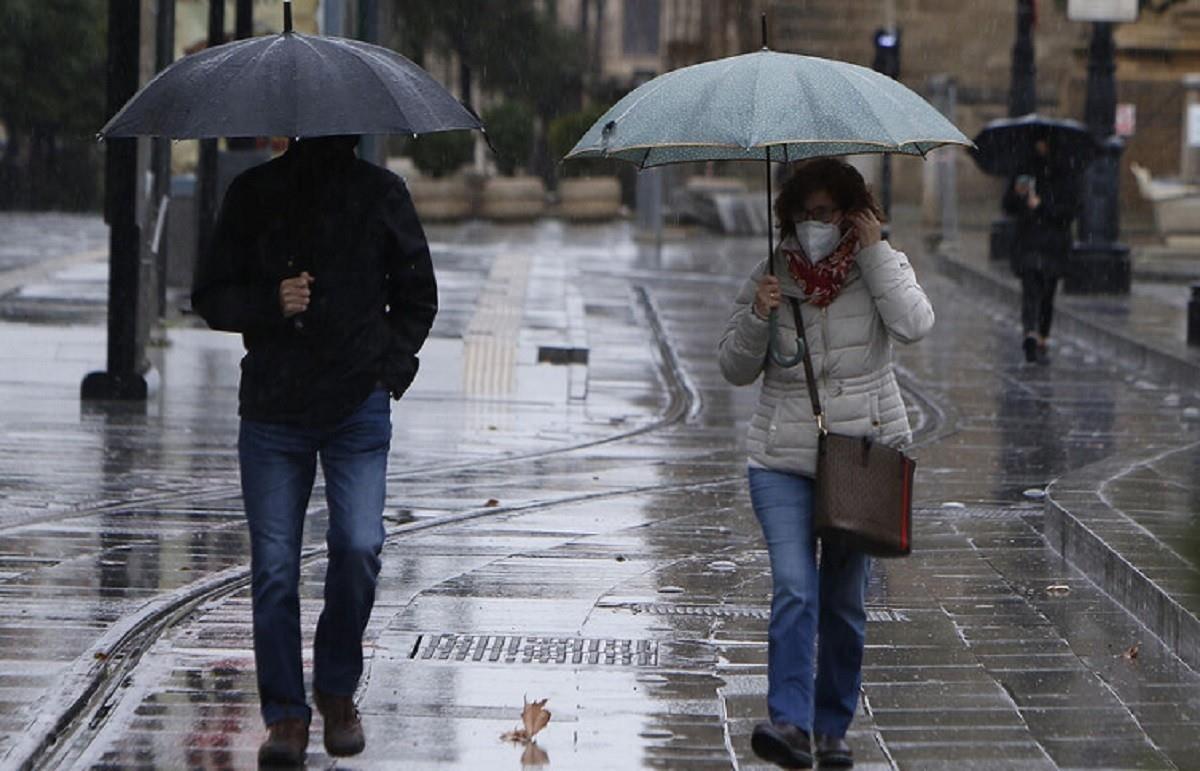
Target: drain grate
874, 613
982, 512
520, 649
714, 611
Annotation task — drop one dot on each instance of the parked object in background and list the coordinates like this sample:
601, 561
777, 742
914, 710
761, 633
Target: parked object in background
724, 204
1176, 206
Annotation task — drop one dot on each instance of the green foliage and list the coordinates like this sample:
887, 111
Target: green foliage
565, 131
510, 128
442, 153
52, 60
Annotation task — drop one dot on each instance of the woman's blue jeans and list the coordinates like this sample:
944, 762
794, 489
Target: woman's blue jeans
278, 466
815, 611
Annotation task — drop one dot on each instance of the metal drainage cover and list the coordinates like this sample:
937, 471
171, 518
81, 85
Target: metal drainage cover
716, 611
519, 649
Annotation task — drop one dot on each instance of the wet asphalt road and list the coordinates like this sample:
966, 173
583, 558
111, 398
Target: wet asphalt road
636, 551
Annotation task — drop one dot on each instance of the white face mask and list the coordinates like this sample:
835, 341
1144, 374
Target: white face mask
817, 239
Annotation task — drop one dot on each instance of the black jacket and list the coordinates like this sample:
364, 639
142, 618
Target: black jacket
1043, 234
353, 227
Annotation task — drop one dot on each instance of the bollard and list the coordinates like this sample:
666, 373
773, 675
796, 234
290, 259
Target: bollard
1193, 316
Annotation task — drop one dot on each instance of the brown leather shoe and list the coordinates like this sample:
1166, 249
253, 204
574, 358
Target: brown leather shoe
833, 752
286, 744
782, 744
343, 727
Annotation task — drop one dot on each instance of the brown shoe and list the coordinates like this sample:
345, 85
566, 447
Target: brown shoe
286, 744
343, 727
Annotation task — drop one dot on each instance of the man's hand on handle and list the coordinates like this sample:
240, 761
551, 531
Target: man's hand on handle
294, 294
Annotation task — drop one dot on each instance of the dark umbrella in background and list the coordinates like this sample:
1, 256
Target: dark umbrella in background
290, 85
1005, 147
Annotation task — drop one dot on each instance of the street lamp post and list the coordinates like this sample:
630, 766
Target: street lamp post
1099, 264
122, 378
1022, 100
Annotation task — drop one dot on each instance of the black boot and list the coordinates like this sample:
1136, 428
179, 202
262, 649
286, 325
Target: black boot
783, 744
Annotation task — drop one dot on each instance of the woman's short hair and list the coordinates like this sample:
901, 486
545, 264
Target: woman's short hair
842, 181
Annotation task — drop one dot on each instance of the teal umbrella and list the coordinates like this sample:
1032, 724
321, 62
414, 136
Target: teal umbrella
766, 106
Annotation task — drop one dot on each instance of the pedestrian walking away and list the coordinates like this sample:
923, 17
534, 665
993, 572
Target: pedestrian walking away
1042, 199
319, 260
856, 295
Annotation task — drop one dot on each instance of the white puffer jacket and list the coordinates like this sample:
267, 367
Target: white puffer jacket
850, 340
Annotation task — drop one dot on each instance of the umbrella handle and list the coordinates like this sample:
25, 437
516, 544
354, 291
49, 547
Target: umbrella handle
773, 348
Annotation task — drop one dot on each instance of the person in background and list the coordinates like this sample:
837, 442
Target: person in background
856, 296
1043, 201
319, 261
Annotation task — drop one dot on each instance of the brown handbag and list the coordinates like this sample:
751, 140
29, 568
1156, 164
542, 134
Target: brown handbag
862, 495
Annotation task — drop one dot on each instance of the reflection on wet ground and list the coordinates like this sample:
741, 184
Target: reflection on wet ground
986, 650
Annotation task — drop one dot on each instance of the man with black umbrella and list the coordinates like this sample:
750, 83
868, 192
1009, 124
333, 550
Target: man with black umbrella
320, 262
1043, 200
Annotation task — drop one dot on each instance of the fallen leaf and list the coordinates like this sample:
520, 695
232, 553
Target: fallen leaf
534, 756
491, 503
534, 718
100, 656
1132, 651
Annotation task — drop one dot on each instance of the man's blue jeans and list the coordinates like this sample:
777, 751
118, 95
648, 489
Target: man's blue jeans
813, 609
278, 465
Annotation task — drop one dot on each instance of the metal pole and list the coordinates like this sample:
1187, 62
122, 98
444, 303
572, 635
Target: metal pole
164, 53
121, 379
1022, 91
1022, 100
206, 213
1098, 262
370, 147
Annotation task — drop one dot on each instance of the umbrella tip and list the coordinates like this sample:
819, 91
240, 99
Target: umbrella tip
764, 30
287, 16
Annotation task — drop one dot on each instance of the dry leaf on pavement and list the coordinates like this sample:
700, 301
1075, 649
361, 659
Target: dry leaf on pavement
1132, 651
534, 718
491, 503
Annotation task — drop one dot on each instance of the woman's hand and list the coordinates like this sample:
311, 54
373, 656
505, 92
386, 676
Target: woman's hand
767, 298
867, 226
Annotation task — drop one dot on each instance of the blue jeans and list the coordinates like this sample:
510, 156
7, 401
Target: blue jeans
814, 609
278, 464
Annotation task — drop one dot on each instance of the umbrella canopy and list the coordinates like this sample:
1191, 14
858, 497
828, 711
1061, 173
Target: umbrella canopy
1005, 147
290, 85
768, 106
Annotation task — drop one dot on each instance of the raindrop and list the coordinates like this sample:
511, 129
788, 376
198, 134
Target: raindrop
1036, 493
722, 566
1171, 400
1192, 413
953, 505
671, 590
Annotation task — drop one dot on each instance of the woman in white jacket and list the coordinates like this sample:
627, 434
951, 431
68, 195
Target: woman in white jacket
857, 294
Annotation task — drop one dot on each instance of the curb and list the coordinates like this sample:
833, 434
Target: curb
1076, 539
1074, 509
1162, 364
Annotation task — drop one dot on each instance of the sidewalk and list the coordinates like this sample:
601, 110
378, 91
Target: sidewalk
1132, 521
596, 549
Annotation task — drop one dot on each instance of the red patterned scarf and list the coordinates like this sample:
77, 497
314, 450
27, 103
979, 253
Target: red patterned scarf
820, 281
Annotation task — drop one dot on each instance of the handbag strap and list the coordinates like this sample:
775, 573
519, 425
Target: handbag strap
809, 376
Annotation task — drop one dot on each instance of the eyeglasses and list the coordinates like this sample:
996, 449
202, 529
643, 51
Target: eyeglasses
820, 213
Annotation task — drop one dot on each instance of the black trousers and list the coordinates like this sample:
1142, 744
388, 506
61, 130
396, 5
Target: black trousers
1037, 300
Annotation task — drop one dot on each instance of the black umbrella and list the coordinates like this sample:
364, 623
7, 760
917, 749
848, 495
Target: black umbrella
290, 85
1005, 147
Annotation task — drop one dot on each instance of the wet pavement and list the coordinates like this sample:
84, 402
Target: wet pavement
582, 533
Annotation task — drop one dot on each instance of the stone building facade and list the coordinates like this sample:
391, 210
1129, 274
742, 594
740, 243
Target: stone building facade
969, 40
